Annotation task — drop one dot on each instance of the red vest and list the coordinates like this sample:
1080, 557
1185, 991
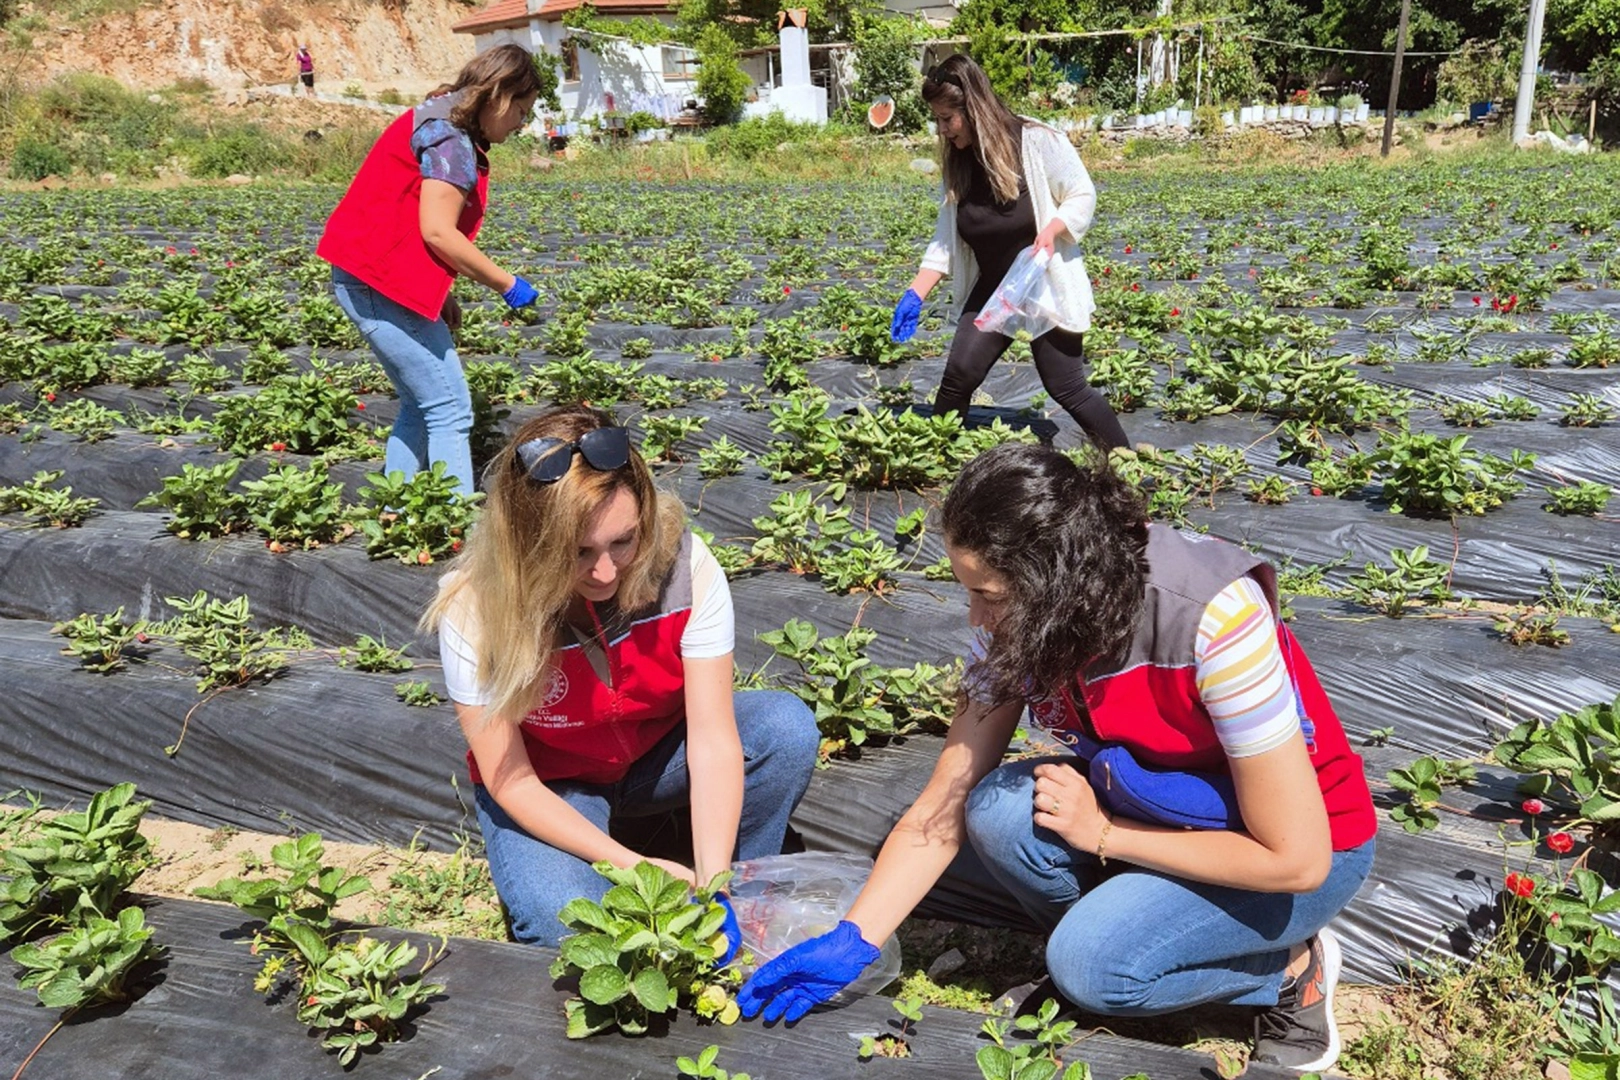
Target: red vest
1148, 699
376, 231
581, 728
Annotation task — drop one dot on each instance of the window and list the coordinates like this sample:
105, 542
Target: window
678, 63
570, 60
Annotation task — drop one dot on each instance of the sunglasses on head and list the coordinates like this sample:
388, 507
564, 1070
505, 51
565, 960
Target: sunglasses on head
936, 74
548, 460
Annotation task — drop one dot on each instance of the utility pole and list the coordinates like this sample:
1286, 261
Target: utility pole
1527, 71
1395, 76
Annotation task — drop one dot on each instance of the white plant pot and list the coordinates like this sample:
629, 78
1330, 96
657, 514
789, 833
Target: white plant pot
1269, 113
1331, 114
1227, 119
1317, 114
1185, 118
1362, 112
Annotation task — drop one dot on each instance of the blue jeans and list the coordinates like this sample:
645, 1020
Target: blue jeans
1132, 942
435, 408
535, 880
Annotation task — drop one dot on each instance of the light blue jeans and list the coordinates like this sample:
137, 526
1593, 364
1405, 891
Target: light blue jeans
1131, 942
435, 408
535, 880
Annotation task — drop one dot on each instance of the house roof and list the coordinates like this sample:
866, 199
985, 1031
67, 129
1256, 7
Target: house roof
499, 15
504, 13
551, 10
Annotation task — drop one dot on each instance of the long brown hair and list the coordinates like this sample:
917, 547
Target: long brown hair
958, 83
498, 76
515, 578
1070, 543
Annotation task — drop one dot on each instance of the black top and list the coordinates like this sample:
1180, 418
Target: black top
995, 231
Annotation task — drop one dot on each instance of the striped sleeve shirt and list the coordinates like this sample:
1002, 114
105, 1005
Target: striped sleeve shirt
1242, 679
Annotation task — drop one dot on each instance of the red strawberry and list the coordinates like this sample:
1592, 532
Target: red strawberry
1175, 313
1316, 491
360, 405
1127, 249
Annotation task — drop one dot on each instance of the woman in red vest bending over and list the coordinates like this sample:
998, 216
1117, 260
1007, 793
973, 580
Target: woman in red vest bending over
586, 635
403, 233
1160, 657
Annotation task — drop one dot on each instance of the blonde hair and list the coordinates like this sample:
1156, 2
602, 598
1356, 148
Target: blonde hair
958, 83
498, 76
515, 578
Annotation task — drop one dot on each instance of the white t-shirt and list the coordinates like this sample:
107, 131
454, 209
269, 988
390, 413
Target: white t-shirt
710, 632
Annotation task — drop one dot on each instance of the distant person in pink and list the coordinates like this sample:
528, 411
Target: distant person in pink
306, 70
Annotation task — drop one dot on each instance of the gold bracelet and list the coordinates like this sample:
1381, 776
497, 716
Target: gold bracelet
1102, 840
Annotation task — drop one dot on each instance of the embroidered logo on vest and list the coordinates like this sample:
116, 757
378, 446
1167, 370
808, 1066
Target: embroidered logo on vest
556, 689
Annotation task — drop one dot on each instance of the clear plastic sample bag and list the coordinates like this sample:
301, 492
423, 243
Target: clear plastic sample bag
782, 900
1023, 300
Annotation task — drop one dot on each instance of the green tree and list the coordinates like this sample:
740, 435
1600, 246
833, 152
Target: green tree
721, 81
545, 69
886, 63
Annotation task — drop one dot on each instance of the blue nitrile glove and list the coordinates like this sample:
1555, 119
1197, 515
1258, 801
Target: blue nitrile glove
807, 975
906, 312
521, 294
730, 928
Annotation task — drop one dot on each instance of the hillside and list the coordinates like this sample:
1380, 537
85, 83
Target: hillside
148, 44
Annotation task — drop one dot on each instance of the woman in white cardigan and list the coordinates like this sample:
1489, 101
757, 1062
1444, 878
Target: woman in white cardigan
1004, 177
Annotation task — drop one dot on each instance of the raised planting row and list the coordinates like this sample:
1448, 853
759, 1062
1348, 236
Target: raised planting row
1301, 359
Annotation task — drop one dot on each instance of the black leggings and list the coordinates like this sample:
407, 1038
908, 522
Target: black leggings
1060, 360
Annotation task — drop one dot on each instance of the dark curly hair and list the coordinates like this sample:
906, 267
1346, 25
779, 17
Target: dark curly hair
1070, 543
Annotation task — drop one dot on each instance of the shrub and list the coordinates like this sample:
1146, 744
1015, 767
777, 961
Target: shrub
749, 139
245, 150
721, 81
35, 159
885, 63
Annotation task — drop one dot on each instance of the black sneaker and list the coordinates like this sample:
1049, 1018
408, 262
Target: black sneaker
1299, 1033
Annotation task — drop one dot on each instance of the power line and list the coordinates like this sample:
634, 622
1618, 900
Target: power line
1347, 52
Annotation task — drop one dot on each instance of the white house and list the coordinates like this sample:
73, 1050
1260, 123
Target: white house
598, 74
605, 74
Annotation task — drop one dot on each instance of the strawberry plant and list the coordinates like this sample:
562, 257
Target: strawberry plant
1412, 579
47, 505
1598, 348
565, 334
1125, 378
721, 458
788, 345
357, 993
1574, 759
704, 1068
369, 654
864, 564
90, 964
141, 367
1271, 491
418, 694
74, 866
1431, 474
660, 434
264, 364
893, 1044
1464, 413
1584, 497
1422, 782
296, 507
306, 414
1511, 407
1034, 1057
853, 699
219, 636
415, 521
865, 337
200, 503
203, 375
99, 641
584, 379
636, 348
647, 949
1585, 411
1524, 625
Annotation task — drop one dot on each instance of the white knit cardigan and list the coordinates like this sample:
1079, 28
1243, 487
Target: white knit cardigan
1059, 187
